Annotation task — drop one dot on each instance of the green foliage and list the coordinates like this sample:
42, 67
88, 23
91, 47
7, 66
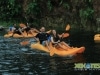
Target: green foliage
77, 12
66, 5
49, 5
9, 9
90, 0
33, 8
86, 13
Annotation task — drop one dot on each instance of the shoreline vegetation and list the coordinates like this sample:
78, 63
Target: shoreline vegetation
74, 28
82, 15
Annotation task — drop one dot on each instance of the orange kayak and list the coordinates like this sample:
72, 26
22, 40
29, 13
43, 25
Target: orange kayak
63, 35
97, 38
24, 33
20, 36
58, 51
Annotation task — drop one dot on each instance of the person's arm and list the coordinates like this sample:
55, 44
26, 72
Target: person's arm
24, 28
36, 37
21, 31
36, 30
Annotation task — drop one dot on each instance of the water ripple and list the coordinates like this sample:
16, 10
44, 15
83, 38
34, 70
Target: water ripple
19, 60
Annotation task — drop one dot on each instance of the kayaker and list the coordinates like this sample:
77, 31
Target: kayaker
33, 29
17, 30
42, 37
28, 29
55, 39
25, 27
11, 29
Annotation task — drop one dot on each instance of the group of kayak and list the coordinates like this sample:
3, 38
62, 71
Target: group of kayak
45, 38
53, 43
24, 30
49, 41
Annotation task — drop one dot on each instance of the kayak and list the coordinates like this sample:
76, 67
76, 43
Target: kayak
97, 38
20, 36
24, 33
58, 51
63, 35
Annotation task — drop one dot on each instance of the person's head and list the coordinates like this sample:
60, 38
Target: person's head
42, 29
54, 32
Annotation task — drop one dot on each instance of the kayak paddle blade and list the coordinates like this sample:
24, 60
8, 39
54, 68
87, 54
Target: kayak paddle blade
67, 27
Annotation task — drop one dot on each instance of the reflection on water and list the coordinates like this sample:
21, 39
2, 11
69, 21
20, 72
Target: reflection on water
18, 60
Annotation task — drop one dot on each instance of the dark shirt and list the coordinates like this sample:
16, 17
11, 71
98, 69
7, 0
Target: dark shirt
55, 38
27, 28
16, 27
42, 36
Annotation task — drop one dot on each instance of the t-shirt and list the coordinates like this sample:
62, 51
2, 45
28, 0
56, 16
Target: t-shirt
56, 38
42, 36
27, 28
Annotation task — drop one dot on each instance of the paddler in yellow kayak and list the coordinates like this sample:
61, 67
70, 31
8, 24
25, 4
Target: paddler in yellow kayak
28, 29
55, 39
17, 30
42, 37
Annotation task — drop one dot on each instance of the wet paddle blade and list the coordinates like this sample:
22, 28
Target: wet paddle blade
65, 35
67, 27
24, 43
52, 51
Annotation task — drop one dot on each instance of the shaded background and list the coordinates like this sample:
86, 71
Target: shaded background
80, 14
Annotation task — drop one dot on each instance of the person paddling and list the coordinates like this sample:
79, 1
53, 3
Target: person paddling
17, 30
55, 39
42, 37
28, 29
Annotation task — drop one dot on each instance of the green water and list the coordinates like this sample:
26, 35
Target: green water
22, 60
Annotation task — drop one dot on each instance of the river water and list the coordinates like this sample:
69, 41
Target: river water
22, 60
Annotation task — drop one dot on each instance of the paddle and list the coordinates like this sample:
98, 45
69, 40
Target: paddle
24, 43
52, 50
67, 27
64, 35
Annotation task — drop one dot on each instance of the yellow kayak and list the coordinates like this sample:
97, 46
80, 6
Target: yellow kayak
20, 36
63, 35
97, 38
57, 51
24, 33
